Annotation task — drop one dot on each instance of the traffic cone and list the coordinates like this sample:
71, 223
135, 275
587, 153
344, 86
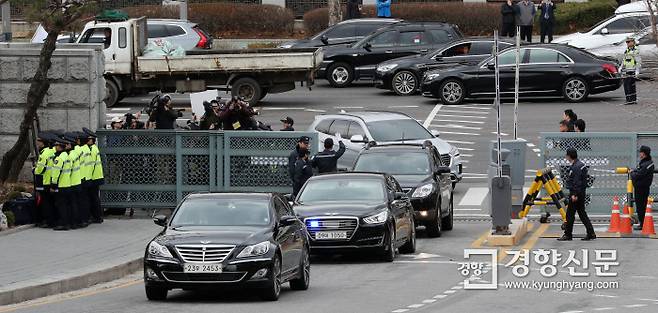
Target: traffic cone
647, 227
614, 217
625, 225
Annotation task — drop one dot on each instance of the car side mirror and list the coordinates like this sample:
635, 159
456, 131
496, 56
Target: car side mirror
324, 39
443, 170
437, 57
357, 139
160, 220
435, 133
604, 31
367, 46
491, 66
399, 196
287, 220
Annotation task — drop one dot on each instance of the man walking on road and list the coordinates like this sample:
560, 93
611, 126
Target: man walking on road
527, 12
327, 160
576, 182
642, 178
630, 70
302, 143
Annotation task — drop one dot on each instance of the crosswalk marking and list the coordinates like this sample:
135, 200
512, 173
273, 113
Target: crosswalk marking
456, 126
465, 112
459, 121
474, 107
462, 116
474, 196
458, 133
465, 149
461, 142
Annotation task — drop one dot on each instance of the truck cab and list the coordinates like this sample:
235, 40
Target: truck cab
118, 42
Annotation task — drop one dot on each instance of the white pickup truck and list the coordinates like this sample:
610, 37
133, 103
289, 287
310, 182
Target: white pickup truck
251, 74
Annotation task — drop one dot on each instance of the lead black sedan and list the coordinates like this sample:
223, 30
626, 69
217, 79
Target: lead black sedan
228, 240
546, 70
354, 211
403, 75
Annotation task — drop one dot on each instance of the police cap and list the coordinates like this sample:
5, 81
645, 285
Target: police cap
90, 134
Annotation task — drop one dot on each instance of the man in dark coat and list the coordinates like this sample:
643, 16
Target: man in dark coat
508, 10
353, 9
302, 143
302, 172
576, 182
642, 178
547, 19
327, 160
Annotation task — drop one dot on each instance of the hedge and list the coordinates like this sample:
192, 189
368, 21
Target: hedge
228, 19
478, 19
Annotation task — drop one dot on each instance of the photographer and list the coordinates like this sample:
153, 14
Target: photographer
210, 119
133, 122
164, 116
238, 116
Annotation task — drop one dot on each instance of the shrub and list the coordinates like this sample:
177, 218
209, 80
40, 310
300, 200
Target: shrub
229, 20
11, 219
572, 17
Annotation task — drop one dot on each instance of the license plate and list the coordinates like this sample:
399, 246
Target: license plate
329, 235
202, 268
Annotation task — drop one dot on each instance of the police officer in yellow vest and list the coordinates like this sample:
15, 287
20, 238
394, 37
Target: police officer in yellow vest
630, 69
85, 165
95, 176
45, 215
78, 217
61, 185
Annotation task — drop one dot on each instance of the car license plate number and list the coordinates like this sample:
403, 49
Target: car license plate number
329, 235
202, 268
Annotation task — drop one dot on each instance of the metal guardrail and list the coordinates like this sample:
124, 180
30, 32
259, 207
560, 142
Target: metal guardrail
157, 168
602, 152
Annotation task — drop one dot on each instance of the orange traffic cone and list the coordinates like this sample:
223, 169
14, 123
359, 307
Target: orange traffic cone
625, 226
614, 217
647, 227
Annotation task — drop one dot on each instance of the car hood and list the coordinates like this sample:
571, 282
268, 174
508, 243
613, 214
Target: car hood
336, 208
215, 235
412, 181
439, 143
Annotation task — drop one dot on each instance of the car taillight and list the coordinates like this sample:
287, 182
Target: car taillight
203, 41
610, 68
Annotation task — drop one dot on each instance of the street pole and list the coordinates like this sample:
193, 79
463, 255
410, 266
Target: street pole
497, 103
516, 83
6, 22
183, 10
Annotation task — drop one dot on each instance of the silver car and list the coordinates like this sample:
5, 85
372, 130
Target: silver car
184, 33
359, 128
644, 39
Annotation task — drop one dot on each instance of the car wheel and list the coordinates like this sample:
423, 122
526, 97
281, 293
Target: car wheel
452, 92
340, 74
410, 245
448, 221
247, 88
273, 290
304, 279
388, 251
434, 227
404, 83
575, 89
112, 93
154, 293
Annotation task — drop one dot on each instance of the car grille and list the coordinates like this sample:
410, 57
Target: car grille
204, 277
445, 158
204, 253
348, 225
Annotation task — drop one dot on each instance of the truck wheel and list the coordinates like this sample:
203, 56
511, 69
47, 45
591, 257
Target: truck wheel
112, 93
247, 88
340, 74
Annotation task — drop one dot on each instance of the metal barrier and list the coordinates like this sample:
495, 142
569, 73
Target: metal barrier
156, 168
602, 152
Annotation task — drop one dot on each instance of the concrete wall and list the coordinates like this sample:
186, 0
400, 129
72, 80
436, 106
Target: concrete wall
75, 97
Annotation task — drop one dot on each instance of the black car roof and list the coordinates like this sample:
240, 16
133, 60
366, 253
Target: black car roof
350, 175
408, 26
230, 195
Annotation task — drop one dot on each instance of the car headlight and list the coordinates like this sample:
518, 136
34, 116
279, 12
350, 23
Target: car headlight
158, 250
386, 67
255, 250
423, 191
431, 76
378, 218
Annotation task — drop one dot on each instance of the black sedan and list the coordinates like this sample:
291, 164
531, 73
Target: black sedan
422, 175
546, 70
228, 240
403, 75
357, 211
345, 32
343, 64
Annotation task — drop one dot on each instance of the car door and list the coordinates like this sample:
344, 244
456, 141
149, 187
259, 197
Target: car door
284, 237
398, 209
545, 72
339, 131
443, 181
296, 233
108, 37
379, 48
413, 42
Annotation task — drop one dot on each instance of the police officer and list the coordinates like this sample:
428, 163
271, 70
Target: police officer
85, 166
42, 173
302, 172
302, 143
576, 181
95, 177
287, 124
630, 69
79, 216
642, 178
327, 160
60, 183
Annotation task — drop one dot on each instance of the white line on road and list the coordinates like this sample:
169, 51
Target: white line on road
635, 305
439, 296
465, 149
459, 121
402, 106
463, 116
474, 196
465, 112
458, 133
473, 107
450, 291
604, 309
456, 126
315, 110
400, 310
432, 114
605, 296
457, 287
502, 134
415, 306
466, 155
461, 142
572, 312
530, 144
475, 177
424, 261
428, 301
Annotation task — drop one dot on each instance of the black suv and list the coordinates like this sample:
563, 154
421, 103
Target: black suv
404, 75
421, 174
344, 64
346, 32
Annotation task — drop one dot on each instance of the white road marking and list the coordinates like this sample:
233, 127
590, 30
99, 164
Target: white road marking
572, 312
465, 149
530, 144
475, 177
315, 110
120, 109
455, 126
635, 305
428, 301
653, 300
415, 306
400, 311
605, 296
463, 116
458, 133
460, 142
457, 287
439, 296
432, 114
114, 114
459, 121
604, 309
502, 134
473, 107
466, 155
474, 196
402, 106
450, 291
465, 112
476, 174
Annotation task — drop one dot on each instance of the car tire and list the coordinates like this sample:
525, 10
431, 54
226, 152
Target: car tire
404, 83
112, 93
410, 245
434, 227
154, 293
248, 88
304, 279
575, 89
452, 92
340, 74
388, 251
448, 222
273, 289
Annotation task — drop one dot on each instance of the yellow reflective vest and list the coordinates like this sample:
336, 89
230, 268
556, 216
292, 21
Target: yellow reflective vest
44, 166
61, 175
75, 158
97, 170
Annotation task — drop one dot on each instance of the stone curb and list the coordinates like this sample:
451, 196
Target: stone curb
16, 230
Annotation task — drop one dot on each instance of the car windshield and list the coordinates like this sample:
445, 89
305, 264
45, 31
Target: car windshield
343, 189
397, 130
394, 163
599, 24
222, 212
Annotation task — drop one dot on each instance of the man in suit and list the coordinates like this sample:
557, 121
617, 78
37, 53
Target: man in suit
547, 19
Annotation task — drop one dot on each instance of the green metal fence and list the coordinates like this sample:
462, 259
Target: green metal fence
156, 169
602, 152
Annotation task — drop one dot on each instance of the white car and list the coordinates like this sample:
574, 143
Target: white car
628, 20
360, 128
645, 41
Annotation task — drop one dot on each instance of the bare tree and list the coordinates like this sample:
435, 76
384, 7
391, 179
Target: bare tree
55, 16
335, 12
651, 6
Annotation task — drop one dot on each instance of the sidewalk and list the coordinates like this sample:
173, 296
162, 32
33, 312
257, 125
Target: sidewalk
40, 262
